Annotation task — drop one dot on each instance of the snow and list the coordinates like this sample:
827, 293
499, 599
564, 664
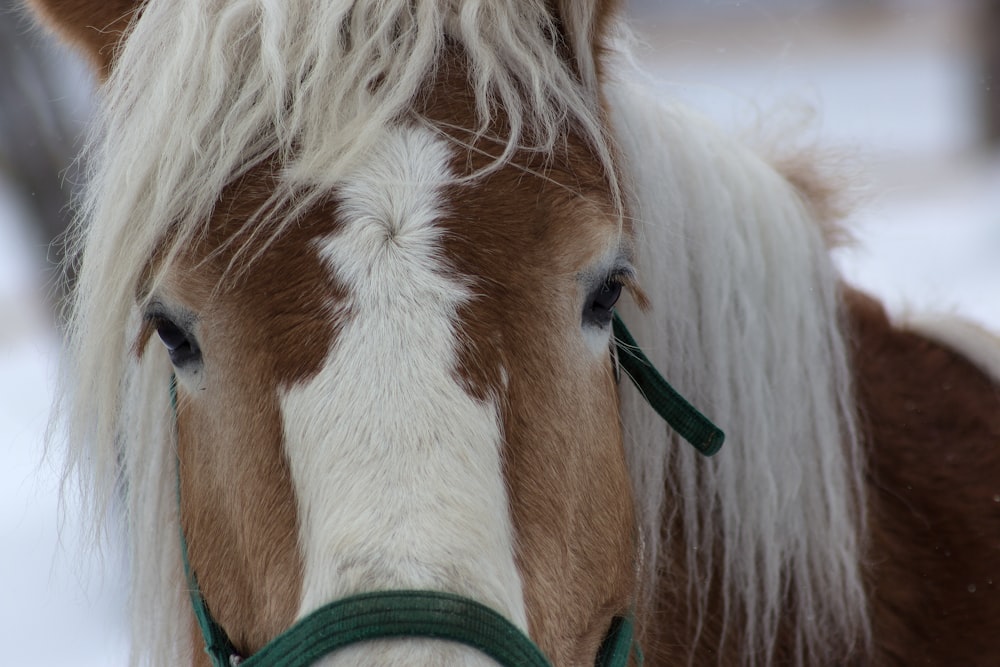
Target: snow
933, 247
897, 103
58, 605
927, 237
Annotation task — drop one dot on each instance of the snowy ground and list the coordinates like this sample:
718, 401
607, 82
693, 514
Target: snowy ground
57, 607
896, 96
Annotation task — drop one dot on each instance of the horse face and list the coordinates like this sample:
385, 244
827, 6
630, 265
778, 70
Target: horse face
409, 385
409, 389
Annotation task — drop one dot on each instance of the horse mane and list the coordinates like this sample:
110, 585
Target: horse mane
745, 323
202, 92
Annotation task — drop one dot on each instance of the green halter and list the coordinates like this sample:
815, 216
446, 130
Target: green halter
444, 616
683, 417
404, 614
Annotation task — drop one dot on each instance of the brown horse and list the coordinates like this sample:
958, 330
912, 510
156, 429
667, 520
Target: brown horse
381, 242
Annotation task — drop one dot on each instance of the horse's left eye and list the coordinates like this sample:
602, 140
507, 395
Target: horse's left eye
181, 346
601, 303
171, 335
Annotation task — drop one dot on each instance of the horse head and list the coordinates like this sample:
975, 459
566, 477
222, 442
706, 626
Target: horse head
344, 337
377, 247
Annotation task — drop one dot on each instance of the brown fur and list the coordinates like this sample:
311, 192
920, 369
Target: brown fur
510, 234
822, 188
260, 332
575, 487
95, 28
933, 424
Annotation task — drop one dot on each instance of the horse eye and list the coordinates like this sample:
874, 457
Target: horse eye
607, 297
601, 302
180, 346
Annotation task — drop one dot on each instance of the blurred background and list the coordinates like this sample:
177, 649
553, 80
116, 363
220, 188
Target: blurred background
902, 97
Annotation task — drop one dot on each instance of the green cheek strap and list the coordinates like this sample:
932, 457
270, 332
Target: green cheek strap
683, 417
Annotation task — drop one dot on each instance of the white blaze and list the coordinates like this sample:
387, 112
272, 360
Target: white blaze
397, 470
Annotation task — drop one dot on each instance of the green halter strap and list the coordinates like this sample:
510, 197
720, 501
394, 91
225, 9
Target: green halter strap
413, 614
683, 417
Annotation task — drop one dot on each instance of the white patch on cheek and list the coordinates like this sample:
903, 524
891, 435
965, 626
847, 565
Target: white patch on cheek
397, 470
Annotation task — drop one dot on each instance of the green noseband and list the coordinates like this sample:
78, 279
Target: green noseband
408, 614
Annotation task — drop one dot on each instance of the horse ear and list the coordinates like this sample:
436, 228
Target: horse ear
96, 27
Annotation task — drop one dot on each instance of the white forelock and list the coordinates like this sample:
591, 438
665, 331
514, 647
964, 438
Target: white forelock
745, 323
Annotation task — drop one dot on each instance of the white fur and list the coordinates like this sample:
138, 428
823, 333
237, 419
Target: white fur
744, 322
202, 91
969, 339
396, 469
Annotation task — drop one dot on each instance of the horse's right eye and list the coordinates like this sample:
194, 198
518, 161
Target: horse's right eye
601, 302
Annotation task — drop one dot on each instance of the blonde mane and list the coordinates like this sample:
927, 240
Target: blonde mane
745, 323
203, 91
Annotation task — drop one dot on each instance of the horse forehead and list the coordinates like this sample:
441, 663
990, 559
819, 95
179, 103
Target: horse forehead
403, 226
406, 210
411, 186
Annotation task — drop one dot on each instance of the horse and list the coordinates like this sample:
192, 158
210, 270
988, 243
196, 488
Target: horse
382, 246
